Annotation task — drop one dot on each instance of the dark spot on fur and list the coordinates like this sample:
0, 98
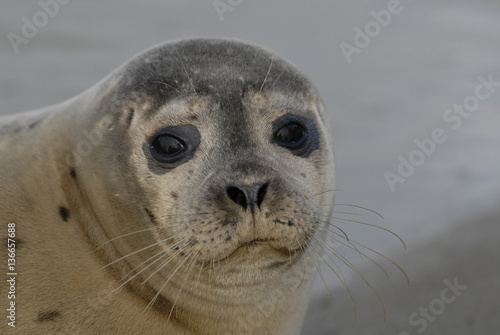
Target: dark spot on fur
227, 238
193, 117
64, 212
190, 171
290, 223
174, 195
193, 241
268, 215
282, 222
231, 221
48, 316
72, 172
303, 175
151, 216
34, 124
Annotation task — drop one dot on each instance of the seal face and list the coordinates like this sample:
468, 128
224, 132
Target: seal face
204, 191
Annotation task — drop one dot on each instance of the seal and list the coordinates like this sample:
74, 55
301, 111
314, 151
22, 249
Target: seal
185, 193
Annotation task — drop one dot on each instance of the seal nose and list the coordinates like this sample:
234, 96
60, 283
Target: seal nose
248, 196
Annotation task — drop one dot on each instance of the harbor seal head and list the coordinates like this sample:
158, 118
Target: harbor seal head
200, 173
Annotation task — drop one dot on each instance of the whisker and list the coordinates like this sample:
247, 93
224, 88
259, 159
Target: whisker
341, 279
187, 214
165, 253
321, 193
131, 254
267, 74
343, 220
336, 227
361, 207
277, 78
355, 270
161, 82
388, 259
185, 70
164, 284
165, 263
345, 237
318, 269
191, 266
350, 246
125, 235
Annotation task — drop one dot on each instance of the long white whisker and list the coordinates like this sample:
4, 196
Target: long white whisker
125, 235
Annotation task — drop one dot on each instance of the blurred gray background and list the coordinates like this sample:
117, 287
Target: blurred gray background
406, 72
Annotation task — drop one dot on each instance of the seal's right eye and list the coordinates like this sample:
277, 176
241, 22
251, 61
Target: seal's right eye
168, 148
172, 146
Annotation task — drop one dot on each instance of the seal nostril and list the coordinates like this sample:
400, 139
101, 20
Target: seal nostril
261, 194
248, 196
237, 195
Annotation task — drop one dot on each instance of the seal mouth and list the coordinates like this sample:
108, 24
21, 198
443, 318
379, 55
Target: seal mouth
261, 244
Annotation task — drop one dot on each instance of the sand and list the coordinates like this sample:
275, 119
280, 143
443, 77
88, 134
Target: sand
467, 257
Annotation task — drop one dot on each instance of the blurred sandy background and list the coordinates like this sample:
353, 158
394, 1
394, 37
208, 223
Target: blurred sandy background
394, 91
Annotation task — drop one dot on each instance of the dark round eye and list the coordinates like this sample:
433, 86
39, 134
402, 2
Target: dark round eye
167, 148
291, 136
296, 133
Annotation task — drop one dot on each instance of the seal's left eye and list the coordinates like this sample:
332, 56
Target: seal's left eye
292, 135
296, 133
